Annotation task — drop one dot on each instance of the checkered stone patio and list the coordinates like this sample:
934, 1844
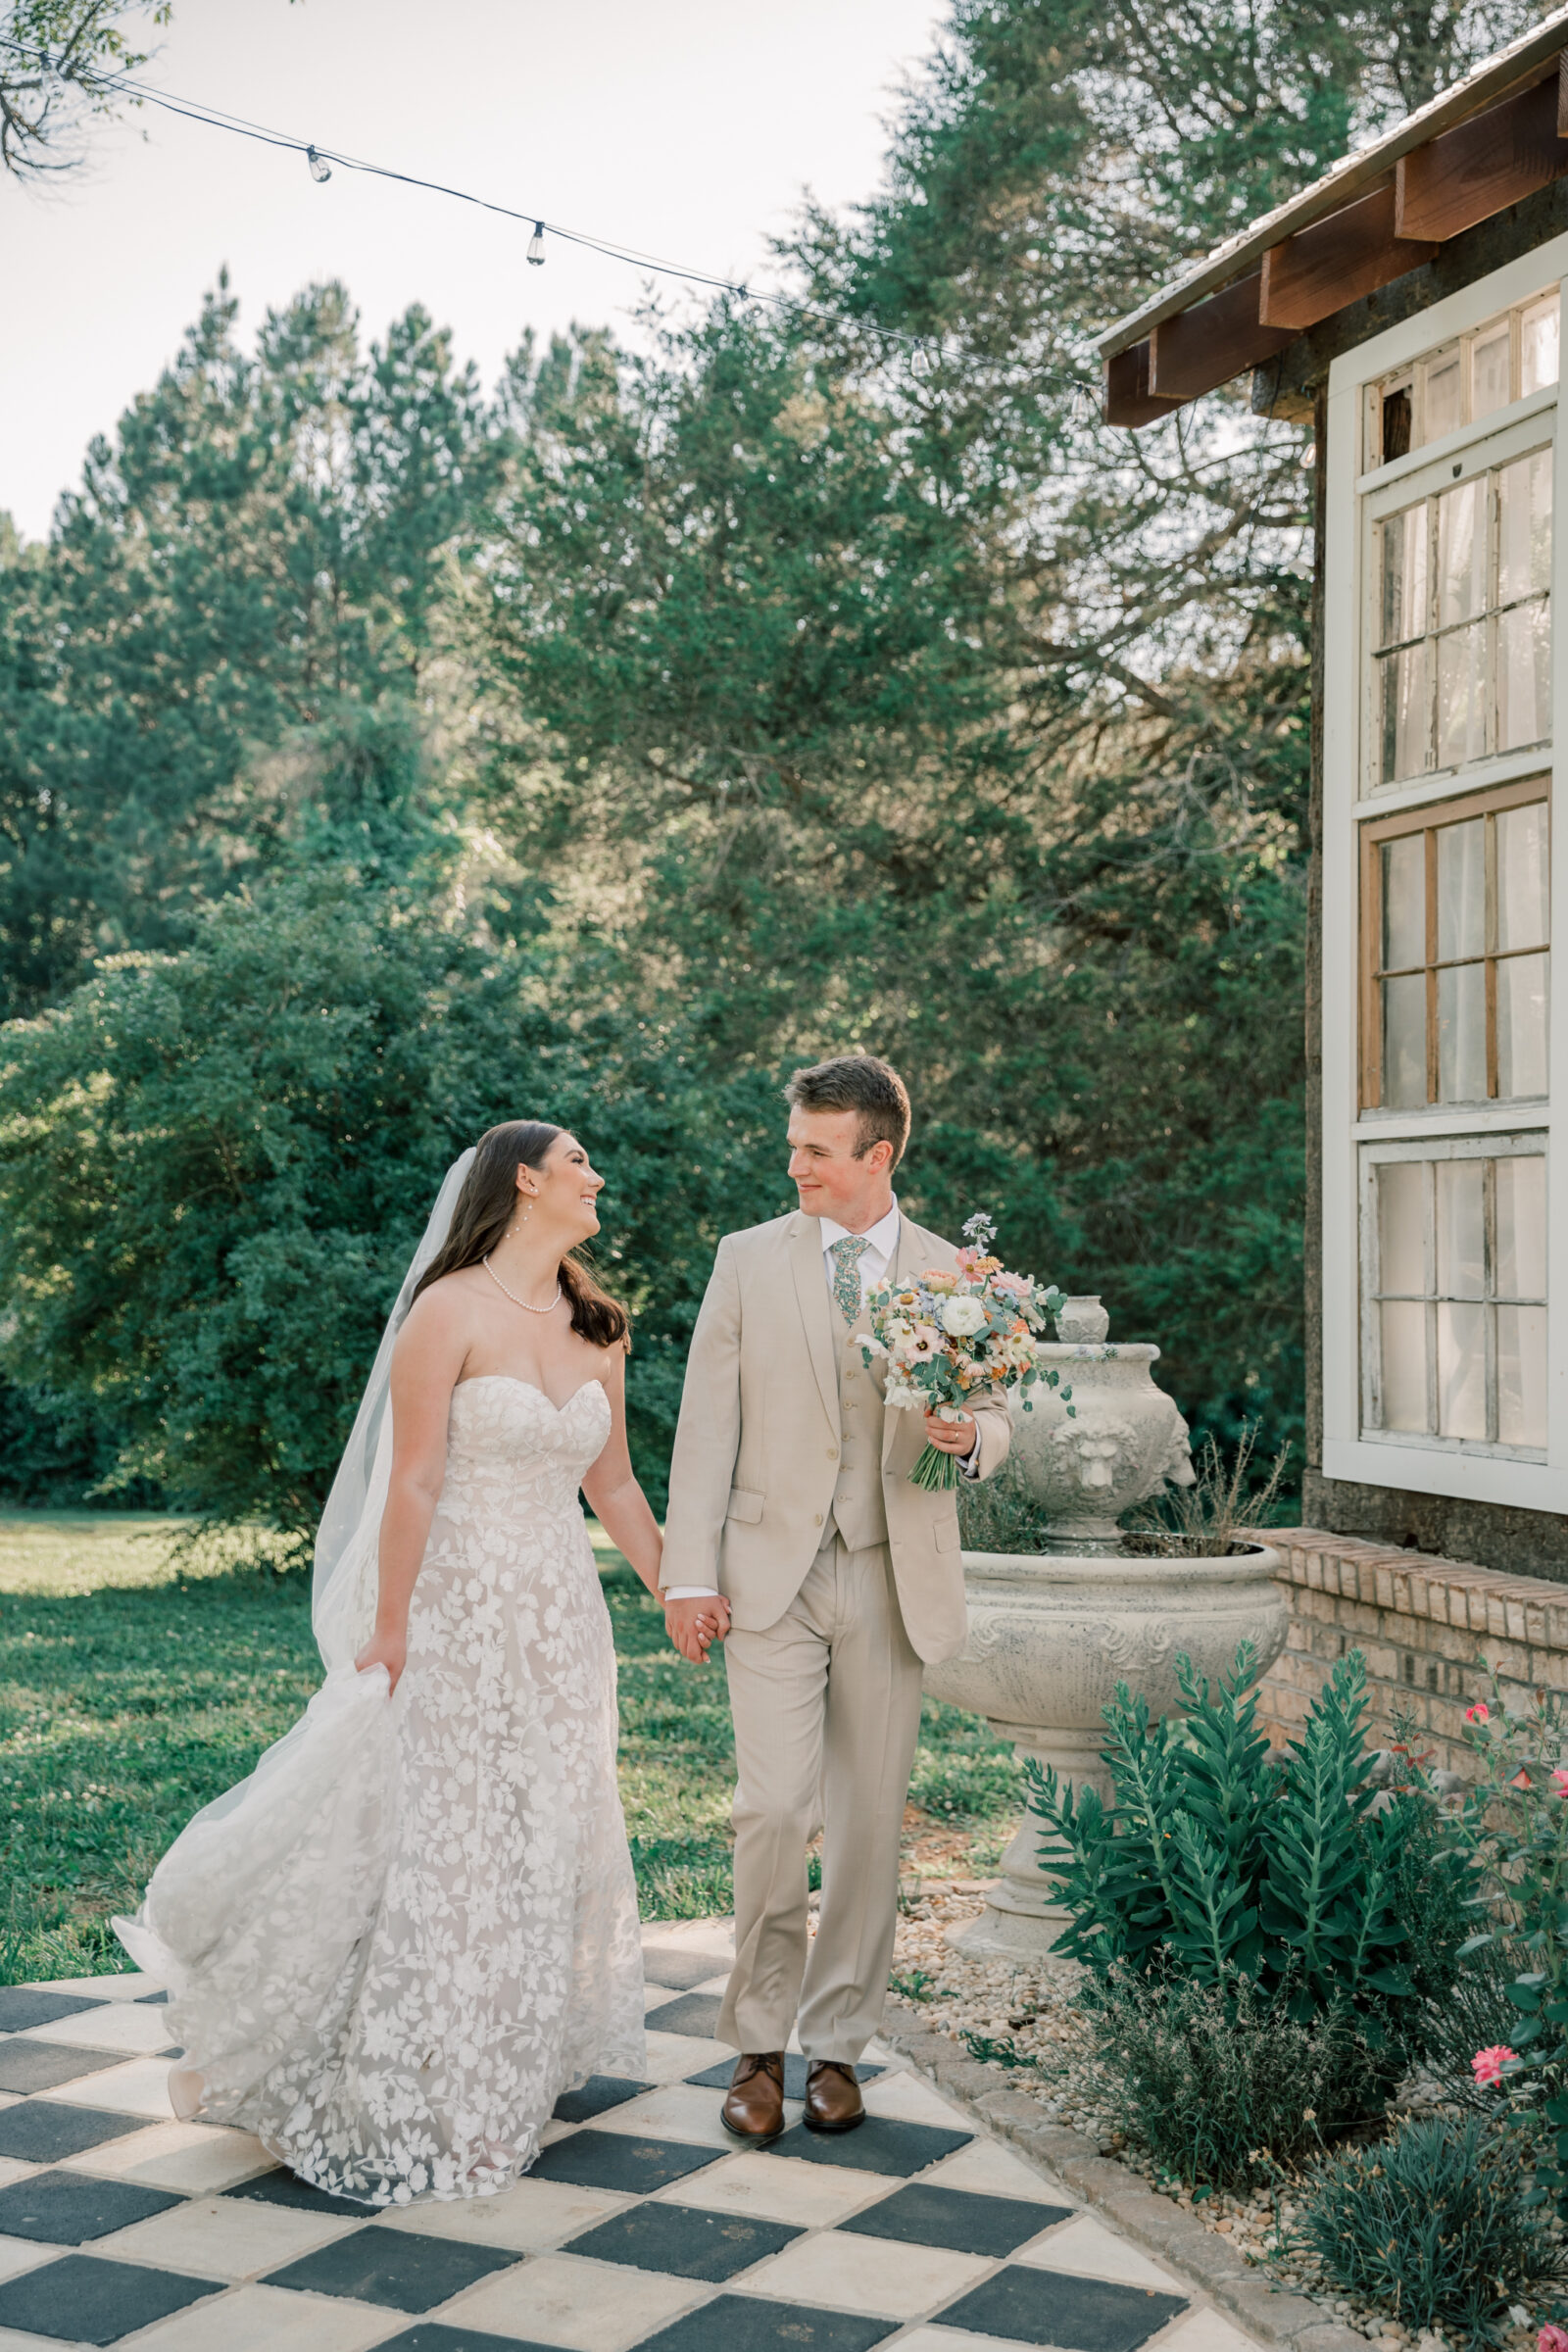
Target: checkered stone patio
642, 2224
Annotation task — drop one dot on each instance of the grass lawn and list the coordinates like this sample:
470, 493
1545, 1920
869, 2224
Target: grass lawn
136, 1686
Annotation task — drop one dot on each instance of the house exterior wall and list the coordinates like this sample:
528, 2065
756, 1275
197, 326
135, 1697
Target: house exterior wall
1520, 1538
1429, 1629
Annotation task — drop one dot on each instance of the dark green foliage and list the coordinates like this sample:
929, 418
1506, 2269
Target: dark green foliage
1228, 1864
1434, 2224
1223, 2085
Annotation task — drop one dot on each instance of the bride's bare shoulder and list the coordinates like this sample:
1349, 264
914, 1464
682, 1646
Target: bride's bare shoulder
443, 1310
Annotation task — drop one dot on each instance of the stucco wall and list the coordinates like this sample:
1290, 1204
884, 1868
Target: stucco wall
1424, 1625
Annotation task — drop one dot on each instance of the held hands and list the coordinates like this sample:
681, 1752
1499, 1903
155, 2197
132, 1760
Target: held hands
959, 1436
694, 1624
384, 1649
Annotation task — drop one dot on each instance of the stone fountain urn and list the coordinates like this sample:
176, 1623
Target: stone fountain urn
1052, 1633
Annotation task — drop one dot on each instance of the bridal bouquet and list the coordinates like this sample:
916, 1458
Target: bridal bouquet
944, 1336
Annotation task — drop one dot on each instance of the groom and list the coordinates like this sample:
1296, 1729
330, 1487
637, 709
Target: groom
790, 1496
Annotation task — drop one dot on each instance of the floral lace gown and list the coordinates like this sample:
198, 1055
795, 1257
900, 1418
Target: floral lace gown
415, 1925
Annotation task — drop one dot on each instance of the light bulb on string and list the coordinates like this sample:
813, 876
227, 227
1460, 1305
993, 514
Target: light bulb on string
320, 170
536, 245
922, 361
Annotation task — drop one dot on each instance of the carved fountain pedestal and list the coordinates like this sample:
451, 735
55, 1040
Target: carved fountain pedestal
1052, 1633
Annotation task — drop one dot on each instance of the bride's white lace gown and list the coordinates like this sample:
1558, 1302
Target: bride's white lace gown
415, 1925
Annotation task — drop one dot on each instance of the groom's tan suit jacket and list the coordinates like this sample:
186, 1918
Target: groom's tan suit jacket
764, 1467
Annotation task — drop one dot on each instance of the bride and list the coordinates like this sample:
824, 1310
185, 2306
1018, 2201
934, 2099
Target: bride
392, 1948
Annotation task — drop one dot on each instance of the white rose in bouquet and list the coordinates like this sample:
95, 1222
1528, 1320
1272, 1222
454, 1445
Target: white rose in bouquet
963, 1316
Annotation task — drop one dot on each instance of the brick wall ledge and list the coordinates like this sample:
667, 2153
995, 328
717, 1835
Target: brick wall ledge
1418, 1583
1154, 2222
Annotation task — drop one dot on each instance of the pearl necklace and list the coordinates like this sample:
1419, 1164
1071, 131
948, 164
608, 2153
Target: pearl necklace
513, 1296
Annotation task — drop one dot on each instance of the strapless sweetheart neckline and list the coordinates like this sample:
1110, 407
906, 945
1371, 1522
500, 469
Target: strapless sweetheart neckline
532, 1386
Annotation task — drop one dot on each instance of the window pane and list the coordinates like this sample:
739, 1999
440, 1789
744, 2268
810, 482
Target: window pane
1522, 1375
1523, 893
1490, 372
1442, 395
1404, 1334
1537, 346
1404, 1042
1521, 1227
1524, 527
1405, 902
1405, 575
1461, 710
1461, 1033
1401, 1223
1522, 1024
1461, 553
1406, 713
1462, 1370
1461, 1228
1524, 674
1463, 890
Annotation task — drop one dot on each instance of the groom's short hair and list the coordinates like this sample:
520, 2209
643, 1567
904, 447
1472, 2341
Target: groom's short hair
863, 1083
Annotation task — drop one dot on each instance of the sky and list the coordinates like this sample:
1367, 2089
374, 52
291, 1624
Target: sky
688, 129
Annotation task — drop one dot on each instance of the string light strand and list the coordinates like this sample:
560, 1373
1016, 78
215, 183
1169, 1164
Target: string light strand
925, 353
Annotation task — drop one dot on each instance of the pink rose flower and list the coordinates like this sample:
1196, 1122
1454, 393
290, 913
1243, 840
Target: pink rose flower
1478, 1713
1560, 1783
1552, 2339
1487, 2065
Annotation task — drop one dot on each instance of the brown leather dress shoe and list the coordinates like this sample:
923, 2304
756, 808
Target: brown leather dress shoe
754, 2105
833, 2101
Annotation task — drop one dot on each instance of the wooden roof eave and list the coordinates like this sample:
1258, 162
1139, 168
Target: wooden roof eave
1477, 148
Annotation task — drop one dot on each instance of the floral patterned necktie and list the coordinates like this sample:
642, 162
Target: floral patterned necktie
846, 1256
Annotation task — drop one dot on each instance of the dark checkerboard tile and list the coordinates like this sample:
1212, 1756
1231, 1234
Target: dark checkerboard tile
619, 2160
1074, 2315
399, 2269
748, 2323
694, 2013
434, 2336
878, 2145
686, 2243
22, 2006
27, 2066
66, 2209
45, 2130
596, 2096
922, 2214
83, 2299
283, 2189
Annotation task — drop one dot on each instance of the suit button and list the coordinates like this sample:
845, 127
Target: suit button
819, 1519
832, 1454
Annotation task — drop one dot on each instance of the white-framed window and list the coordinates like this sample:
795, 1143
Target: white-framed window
1445, 1199
1456, 946
1454, 1244
1463, 380
1460, 636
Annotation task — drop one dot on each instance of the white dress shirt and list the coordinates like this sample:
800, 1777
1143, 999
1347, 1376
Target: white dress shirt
882, 1243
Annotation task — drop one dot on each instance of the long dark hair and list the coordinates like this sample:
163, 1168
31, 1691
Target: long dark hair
484, 1211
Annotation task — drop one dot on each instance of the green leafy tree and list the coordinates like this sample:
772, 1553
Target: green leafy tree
54, 56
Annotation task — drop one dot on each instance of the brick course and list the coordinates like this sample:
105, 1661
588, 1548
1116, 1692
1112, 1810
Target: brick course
1424, 1626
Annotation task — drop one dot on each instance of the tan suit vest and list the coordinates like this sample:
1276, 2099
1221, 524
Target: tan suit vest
859, 1513
769, 1455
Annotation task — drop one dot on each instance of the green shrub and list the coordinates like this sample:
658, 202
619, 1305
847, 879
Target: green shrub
1227, 1863
1435, 2226
999, 1514
1222, 2084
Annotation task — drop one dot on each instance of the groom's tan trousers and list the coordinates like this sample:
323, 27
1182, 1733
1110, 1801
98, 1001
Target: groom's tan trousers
827, 1708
